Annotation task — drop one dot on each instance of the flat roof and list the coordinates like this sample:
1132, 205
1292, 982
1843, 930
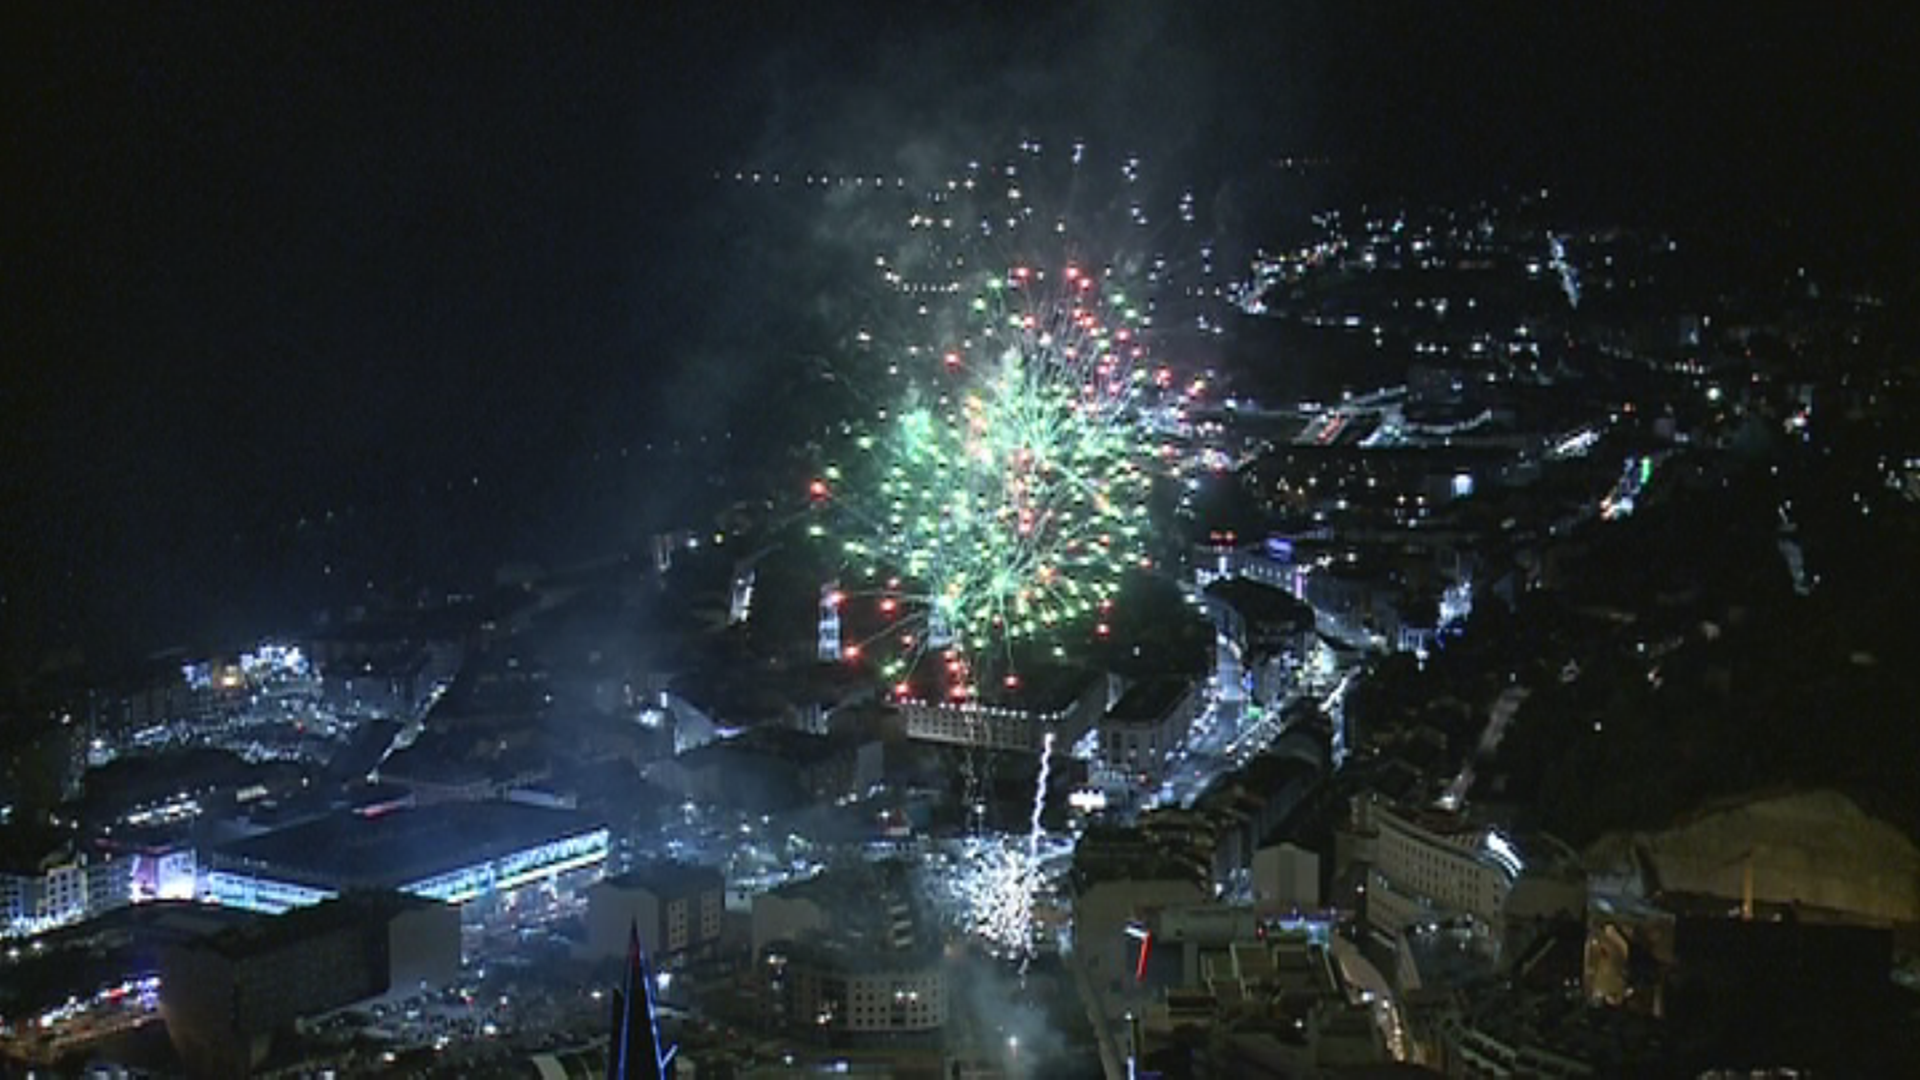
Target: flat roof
1039, 688
668, 878
787, 744
844, 952
263, 936
1260, 603
387, 851
1150, 700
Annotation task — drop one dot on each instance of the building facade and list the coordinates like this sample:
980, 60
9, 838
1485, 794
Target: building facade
1146, 726
224, 998
677, 909
1019, 724
1428, 867
830, 991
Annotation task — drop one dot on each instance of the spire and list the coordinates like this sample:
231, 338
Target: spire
634, 1051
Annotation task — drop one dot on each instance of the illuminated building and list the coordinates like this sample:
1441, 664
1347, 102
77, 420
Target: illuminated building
165, 873
48, 882
829, 635
455, 852
1065, 703
43, 894
1436, 867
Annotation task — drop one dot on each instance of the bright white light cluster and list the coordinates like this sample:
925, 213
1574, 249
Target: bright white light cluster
996, 879
272, 659
1503, 853
997, 884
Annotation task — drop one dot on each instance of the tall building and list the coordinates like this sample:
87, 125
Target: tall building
1250, 997
675, 909
849, 958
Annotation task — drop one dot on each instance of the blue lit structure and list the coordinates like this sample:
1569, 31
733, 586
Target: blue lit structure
635, 1051
453, 852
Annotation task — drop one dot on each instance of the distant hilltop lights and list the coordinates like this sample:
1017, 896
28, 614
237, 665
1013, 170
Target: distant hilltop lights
270, 661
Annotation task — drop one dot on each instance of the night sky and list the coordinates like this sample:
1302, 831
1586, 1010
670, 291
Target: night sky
444, 272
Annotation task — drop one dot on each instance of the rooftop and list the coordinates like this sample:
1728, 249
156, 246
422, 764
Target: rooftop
348, 850
876, 922
1150, 700
1258, 603
668, 878
848, 953
265, 936
1123, 854
1039, 688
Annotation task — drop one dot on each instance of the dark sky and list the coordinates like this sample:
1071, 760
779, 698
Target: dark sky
430, 268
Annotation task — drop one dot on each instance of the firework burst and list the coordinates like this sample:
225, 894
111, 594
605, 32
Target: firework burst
994, 498
1012, 488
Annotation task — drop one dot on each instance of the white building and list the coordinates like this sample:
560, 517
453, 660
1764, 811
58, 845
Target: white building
1432, 867
50, 893
1068, 706
1145, 727
675, 908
